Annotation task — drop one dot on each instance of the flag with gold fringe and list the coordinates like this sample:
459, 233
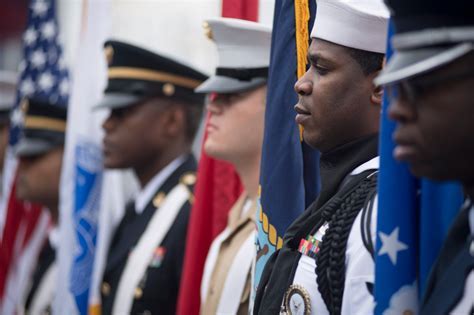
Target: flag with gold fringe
289, 168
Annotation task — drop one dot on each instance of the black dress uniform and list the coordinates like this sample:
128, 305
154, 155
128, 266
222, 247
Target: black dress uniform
143, 269
158, 288
448, 284
337, 189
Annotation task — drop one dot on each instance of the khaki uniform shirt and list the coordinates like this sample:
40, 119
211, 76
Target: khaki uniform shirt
241, 226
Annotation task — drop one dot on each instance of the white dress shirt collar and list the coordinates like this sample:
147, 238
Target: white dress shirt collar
146, 193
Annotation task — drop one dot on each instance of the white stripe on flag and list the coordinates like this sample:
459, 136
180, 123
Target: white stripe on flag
83, 157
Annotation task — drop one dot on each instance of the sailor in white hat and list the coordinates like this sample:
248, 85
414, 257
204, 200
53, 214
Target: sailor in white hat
235, 135
325, 265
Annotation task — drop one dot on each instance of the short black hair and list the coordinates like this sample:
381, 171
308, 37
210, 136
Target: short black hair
367, 60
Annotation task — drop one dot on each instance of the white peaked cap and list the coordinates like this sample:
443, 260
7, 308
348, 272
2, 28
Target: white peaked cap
241, 46
360, 24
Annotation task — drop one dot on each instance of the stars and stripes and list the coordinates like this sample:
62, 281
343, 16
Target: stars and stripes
43, 76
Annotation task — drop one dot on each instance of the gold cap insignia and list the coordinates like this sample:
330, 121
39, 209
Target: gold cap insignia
207, 30
159, 198
168, 89
188, 179
109, 54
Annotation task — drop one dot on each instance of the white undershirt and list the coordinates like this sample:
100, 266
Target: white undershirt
247, 206
146, 193
54, 237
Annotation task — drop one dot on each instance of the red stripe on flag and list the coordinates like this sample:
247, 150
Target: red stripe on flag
19, 214
218, 187
240, 9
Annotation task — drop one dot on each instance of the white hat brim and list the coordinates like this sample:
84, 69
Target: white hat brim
221, 84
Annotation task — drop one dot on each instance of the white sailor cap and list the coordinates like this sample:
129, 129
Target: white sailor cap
8, 82
244, 55
360, 24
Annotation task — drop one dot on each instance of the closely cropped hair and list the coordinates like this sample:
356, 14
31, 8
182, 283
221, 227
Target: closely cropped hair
367, 60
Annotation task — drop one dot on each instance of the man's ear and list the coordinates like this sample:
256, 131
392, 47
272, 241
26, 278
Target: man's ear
377, 95
176, 120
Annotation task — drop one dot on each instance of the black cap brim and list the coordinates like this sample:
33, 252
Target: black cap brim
410, 63
117, 100
33, 147
222, 84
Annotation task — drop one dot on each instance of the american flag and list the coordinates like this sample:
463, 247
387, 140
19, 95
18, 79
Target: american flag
43, 70
43, 76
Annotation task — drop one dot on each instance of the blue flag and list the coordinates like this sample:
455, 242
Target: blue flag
289, 169
410, 226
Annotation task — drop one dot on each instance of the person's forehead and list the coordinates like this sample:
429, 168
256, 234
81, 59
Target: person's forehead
327, 51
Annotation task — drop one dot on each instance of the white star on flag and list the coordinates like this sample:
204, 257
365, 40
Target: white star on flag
30, 36
48, 30
64, 87
62, 63
391, 245
40, 8
27, 87
16, 117
46, 81
38, 59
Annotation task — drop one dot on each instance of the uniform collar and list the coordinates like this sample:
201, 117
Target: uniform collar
53, 237
147, 192
337, 163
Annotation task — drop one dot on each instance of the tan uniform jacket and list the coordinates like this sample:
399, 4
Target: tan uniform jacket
240, 229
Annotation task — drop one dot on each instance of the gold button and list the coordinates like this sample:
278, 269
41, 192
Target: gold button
188, 179
168, 89
105, 289
159, 198
138, 293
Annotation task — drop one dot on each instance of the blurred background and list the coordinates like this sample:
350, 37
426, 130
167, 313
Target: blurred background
172, 27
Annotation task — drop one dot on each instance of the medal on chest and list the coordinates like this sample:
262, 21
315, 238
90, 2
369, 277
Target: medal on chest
297, 301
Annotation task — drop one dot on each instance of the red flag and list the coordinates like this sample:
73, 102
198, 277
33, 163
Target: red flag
218, 187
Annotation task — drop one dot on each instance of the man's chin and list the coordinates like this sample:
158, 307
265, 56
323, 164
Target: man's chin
114, 164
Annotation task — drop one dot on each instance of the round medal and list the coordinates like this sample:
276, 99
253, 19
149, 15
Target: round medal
297, 301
